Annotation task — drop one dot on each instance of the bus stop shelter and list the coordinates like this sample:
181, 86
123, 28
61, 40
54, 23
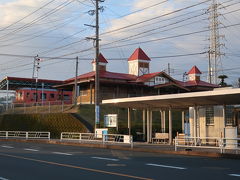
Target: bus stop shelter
220, 96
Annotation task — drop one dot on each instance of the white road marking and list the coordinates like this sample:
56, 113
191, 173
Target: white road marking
236, 175
1, 178
9, 147
165, 166
67, 154
35, 150
109, 159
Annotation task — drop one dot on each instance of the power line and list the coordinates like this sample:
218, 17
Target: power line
166, 14
28, 15
59, 7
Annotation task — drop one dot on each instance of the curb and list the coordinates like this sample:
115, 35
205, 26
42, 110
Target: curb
135, 149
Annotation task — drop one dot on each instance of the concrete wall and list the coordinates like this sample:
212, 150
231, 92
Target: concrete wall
204, 130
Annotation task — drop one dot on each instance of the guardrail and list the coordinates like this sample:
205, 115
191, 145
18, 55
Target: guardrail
24, 135
103, 138
222, 144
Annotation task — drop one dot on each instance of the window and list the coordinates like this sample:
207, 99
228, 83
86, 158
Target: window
209, 115
66, 97
229, 115
159, 80
34, 95
52, 96
43, 96
83, 93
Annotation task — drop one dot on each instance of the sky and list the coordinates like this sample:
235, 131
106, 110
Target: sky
57, 28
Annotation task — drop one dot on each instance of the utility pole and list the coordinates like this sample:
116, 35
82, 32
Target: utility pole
97, 107
36, 68
215, 45
169, 69
76, 75
96, 45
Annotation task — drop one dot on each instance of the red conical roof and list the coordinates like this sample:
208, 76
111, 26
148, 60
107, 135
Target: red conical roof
139, 54
101, 59
194, 70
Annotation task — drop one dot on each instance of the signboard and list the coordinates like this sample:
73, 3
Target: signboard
97, 111
100, 132
110, 120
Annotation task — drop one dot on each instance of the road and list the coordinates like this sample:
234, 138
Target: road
32, 161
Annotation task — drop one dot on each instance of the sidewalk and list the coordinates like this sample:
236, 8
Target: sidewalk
138, 147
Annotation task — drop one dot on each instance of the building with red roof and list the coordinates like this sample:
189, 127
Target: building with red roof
137, 82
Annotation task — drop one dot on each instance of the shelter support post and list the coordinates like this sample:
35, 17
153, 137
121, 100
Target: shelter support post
7, 95
163, 121
170, 125
195, 124
224, 115
144, 124
148, 125
129, 121
222, 135
183, 120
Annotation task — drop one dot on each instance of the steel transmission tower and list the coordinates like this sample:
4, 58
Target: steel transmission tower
215, 45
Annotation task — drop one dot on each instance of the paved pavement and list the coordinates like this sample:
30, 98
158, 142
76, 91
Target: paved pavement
33, 161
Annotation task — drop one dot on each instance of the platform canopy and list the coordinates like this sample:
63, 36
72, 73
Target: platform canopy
220, 96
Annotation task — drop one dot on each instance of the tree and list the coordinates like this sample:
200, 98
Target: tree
222, 83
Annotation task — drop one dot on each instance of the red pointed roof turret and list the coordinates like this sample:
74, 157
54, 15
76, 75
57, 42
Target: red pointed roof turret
101, 59
194, 70
139, 54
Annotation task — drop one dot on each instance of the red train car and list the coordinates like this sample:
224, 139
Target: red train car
28, 95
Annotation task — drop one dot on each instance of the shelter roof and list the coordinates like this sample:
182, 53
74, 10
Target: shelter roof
221, 96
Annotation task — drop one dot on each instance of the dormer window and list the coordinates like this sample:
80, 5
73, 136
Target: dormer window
160, 80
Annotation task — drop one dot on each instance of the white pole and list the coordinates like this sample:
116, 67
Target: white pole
129, 121
148, 118
42, 93
164, 121
150, 132
144, 124
195, 124
7, 95
183, 121
170, 125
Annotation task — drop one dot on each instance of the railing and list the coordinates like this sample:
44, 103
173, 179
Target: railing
24, 135
222, 144
103, 138
38, 107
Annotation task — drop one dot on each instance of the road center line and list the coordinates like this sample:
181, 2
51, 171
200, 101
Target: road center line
165, 166
236, 175
76, 167
1, 178
67, 154
109, 159
27, 149
9, 147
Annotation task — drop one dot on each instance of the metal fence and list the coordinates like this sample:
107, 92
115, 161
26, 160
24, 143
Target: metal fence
37, 107
24, 135
222, 144
93, 137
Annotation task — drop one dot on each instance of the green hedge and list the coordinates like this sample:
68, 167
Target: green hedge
55, 123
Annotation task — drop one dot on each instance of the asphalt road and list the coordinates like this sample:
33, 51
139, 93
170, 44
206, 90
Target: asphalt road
31, 161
